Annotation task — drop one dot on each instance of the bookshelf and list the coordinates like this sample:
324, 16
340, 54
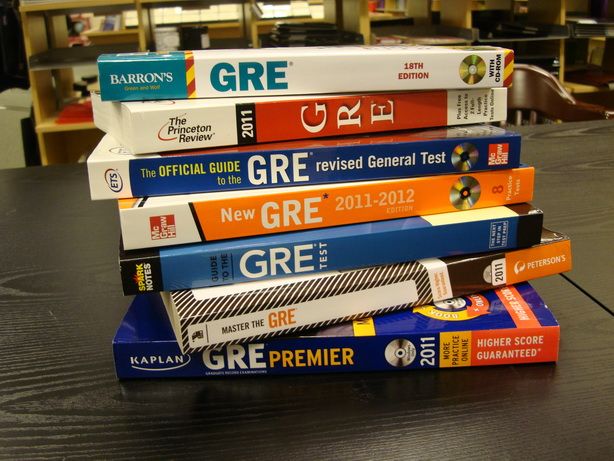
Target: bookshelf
52, 62
51, 74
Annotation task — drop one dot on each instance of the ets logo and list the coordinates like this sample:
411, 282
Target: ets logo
113, 180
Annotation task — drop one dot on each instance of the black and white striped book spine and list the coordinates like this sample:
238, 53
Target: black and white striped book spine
211, 317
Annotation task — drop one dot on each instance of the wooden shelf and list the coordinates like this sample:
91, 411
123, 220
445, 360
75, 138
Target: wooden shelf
59, 58
49, 125
75, 5
194, 3
113, 37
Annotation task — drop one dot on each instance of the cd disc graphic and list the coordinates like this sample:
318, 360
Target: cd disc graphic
400, 353
464, 156
465, 193
472, 69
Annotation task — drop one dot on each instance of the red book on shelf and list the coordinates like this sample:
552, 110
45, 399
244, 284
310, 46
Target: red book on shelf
76, 112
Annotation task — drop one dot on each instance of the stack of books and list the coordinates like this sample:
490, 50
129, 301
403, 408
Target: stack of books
321, 210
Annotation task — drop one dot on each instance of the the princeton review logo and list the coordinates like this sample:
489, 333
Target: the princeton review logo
162, 227
158, 362
181, 130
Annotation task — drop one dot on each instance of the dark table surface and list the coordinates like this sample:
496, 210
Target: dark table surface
61, 301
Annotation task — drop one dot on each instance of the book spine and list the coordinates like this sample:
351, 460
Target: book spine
164, 221
341, 248
169, 128
217, 316
299, 71
257, 168
315, 354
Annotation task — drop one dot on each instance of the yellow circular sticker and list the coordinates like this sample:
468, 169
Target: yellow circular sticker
455, 309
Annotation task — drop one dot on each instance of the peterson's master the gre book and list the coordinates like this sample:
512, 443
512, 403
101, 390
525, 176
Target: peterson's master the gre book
293, 71
207, 317
507, 326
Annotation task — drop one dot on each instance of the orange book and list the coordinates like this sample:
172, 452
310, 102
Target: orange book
178, 219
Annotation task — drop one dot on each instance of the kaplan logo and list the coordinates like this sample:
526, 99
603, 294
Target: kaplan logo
159, 362
150, 77
143, 278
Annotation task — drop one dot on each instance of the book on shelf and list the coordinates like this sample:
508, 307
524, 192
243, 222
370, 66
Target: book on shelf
337, 248
510, 325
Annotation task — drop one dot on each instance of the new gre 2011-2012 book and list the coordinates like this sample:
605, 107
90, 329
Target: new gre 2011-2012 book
510, 325
337, 248
206, 317
177, 219
304, 70
113, 173
179, 124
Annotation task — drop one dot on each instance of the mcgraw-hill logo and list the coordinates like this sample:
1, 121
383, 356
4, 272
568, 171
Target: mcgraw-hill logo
178, 129
143, 277
162, 227
159, 362
113, 180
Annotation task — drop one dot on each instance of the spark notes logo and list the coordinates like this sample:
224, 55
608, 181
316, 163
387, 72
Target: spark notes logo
162, 227
142, 277
113, 180
158, 362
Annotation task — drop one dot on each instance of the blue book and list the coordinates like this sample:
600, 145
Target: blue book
114, 173
336, 248
510, 325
